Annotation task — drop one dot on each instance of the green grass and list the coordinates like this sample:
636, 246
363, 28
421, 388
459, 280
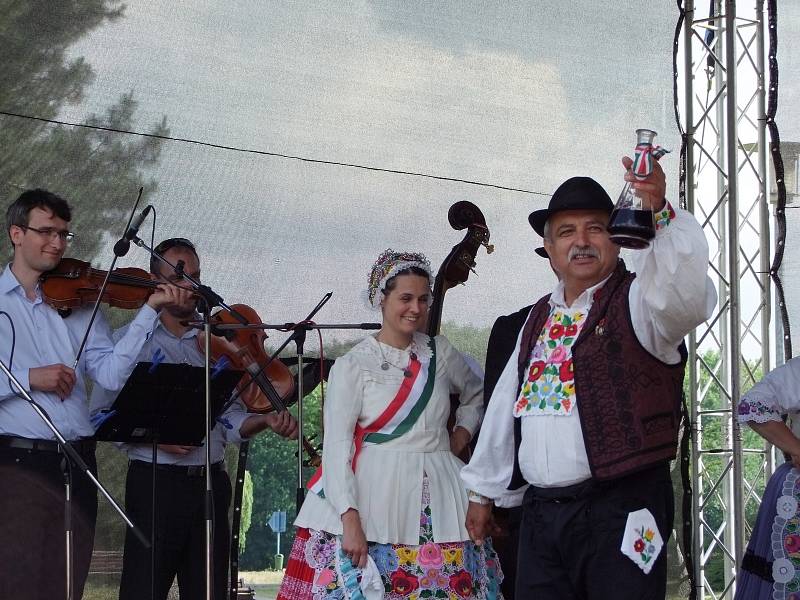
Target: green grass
110, 591
266, 592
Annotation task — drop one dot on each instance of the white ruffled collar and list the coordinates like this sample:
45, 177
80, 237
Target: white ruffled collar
419, 345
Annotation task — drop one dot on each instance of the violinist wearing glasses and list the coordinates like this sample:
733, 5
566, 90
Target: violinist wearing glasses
38, 344
180, 479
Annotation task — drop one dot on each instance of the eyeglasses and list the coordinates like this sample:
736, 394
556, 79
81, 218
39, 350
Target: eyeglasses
51, 233
174, 243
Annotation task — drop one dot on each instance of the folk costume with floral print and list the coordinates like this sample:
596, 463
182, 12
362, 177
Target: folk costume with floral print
550, 385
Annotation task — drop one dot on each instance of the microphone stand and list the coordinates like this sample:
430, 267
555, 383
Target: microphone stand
120, 249
78, 461
299, 331
209, 299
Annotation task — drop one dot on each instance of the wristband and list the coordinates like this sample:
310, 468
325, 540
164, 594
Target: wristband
477, 498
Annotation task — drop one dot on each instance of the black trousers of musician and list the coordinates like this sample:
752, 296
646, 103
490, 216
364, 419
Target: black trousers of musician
32, 511
180, 532
570, 539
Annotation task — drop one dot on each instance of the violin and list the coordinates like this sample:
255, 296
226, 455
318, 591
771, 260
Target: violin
74, 283
271, 384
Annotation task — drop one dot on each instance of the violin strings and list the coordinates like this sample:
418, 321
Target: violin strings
131, 279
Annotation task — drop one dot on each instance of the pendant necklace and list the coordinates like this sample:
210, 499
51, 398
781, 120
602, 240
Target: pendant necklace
386, 364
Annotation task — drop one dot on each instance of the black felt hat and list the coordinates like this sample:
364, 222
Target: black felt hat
576, 193
542, 252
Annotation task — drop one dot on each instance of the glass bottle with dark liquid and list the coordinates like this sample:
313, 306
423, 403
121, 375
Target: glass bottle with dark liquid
631, 224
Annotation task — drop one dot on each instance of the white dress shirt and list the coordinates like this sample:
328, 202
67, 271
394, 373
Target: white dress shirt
44, 338
670, 296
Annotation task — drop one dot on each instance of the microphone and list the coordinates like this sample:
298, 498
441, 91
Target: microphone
124, 244
137, 222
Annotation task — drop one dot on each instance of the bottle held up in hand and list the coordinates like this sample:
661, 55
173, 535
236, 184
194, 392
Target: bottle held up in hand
632, 224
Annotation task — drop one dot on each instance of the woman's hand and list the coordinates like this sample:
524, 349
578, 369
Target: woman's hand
459, 440
354, 542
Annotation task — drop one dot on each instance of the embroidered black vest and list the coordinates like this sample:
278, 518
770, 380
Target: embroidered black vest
629, 402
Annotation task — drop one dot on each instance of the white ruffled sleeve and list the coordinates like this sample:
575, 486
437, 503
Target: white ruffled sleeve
776, 394
466, 383
672, 293
342, 408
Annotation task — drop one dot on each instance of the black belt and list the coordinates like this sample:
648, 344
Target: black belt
590, 488
185, 470
21, 443
563, 495
758, 566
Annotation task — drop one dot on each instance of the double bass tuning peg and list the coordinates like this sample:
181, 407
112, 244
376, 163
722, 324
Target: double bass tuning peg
489, 247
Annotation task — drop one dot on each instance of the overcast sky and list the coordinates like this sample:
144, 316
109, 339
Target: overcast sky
521, 95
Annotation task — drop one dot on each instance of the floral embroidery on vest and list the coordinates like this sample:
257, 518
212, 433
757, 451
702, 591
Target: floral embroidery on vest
550, 385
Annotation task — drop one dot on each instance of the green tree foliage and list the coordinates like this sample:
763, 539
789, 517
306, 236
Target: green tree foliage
714, 437
469, 340
247, 510
99, 172
273, 466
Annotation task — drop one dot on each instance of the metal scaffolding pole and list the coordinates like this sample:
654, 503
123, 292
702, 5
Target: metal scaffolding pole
726, 170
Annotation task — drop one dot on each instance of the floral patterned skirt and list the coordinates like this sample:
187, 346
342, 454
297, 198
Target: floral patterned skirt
771, 565
450, 571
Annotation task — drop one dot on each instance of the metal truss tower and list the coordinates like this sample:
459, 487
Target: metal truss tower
726, 188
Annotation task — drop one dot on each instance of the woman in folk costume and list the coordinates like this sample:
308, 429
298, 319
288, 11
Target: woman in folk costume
771, 564
386, 515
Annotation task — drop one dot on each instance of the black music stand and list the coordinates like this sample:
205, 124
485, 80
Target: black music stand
164, 403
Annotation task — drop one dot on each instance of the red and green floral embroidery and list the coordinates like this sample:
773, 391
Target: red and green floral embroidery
644, 544
665, 216
550, 385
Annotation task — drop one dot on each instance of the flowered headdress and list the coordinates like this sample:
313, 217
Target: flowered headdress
389, 264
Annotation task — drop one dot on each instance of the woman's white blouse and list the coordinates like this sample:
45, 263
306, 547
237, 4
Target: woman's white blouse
386, 488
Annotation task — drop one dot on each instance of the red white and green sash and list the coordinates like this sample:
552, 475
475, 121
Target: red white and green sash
399, 417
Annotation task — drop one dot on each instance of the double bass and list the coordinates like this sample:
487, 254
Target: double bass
455, 270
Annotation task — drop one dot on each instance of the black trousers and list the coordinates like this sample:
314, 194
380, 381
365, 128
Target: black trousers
180, 529
506, 545
570, 539
32, 511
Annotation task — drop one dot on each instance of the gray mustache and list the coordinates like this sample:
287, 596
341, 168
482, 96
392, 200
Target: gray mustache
584, 250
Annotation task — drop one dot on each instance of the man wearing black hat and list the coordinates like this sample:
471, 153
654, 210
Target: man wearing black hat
583, 419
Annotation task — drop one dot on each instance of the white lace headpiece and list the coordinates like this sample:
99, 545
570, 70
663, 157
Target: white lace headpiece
389, 264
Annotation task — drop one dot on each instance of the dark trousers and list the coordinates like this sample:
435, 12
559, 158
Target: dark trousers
570, 539
179, 532
32, 511
506, 544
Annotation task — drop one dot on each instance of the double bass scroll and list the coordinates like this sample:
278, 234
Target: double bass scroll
460, 262
455, 269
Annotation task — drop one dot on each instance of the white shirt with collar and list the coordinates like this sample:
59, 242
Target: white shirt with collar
41, 337
670, 296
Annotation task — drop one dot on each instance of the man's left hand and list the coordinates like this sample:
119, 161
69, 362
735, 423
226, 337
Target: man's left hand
167, 295
284, 424
653, 189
